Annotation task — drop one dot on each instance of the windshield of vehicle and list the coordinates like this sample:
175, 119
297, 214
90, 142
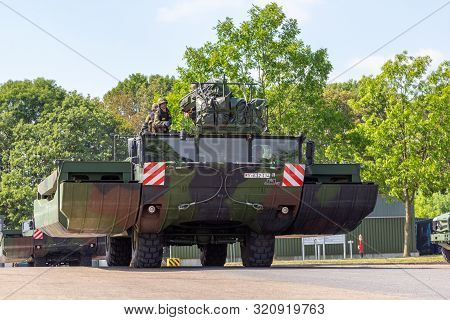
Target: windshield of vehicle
208, 149
275, 150
169, 149
218, 149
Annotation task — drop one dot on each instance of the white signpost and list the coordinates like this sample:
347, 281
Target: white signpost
350, 245
321, 242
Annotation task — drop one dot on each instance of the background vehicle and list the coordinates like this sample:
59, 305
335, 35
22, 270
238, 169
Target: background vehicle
441, 234
37, 249
228, 182
424, 245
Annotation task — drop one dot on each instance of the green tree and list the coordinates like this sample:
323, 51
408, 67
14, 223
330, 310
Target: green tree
266, 49
401, 134
430, 206
24, 102
132, 98
179, 89
56, 125
334, 117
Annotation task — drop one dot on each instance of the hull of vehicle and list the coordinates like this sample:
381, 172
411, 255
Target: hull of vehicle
88, 209
196, 196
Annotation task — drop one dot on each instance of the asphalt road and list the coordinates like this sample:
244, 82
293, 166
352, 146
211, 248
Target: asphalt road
302, 282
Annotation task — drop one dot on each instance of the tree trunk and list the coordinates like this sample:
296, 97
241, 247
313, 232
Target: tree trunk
409, 220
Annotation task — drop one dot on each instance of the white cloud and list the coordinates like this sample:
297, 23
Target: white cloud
180, 10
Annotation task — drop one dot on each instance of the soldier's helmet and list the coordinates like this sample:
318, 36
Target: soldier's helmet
193, 86
154, 106
162, 101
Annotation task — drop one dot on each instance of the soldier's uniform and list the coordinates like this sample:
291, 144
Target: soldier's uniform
162, 118
148, 123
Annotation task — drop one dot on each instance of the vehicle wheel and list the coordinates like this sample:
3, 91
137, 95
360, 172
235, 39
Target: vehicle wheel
213, 255
257, 250
147, 250
85, 261
118, 251
446, 254
40, 262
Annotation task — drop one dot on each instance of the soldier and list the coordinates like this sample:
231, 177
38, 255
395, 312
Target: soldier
148, 124
162, 119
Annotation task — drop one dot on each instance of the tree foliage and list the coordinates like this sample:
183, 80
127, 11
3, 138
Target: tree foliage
266, 49
39, 123
401, 132
335, 116
430, 206
133, 97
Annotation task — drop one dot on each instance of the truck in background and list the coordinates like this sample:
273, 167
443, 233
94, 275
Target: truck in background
32, 246
441, 234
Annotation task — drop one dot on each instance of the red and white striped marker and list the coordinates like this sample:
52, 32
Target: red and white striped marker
154, 174
293, 175
38, 234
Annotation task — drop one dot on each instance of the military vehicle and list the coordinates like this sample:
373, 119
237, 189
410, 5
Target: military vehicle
37, 249
441, 234
228, 181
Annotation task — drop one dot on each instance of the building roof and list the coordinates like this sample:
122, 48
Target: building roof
387, 207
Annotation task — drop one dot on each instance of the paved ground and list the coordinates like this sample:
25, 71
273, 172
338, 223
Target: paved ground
319, 282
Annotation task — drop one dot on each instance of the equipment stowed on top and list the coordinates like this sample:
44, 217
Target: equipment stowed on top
214, 109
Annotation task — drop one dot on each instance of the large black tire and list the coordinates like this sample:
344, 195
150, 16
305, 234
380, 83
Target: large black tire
446, 254
39, 262
118, 251
213, 255
257, 250
147, 250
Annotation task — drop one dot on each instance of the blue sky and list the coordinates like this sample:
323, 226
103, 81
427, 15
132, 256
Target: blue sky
125, 37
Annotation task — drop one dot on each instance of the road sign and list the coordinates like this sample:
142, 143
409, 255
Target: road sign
309, 241
319, 242
336, 239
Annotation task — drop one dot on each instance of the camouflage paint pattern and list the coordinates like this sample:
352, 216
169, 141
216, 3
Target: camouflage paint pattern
198, 195
85, 208
230, 198
14, 247
333, 208
324, 208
